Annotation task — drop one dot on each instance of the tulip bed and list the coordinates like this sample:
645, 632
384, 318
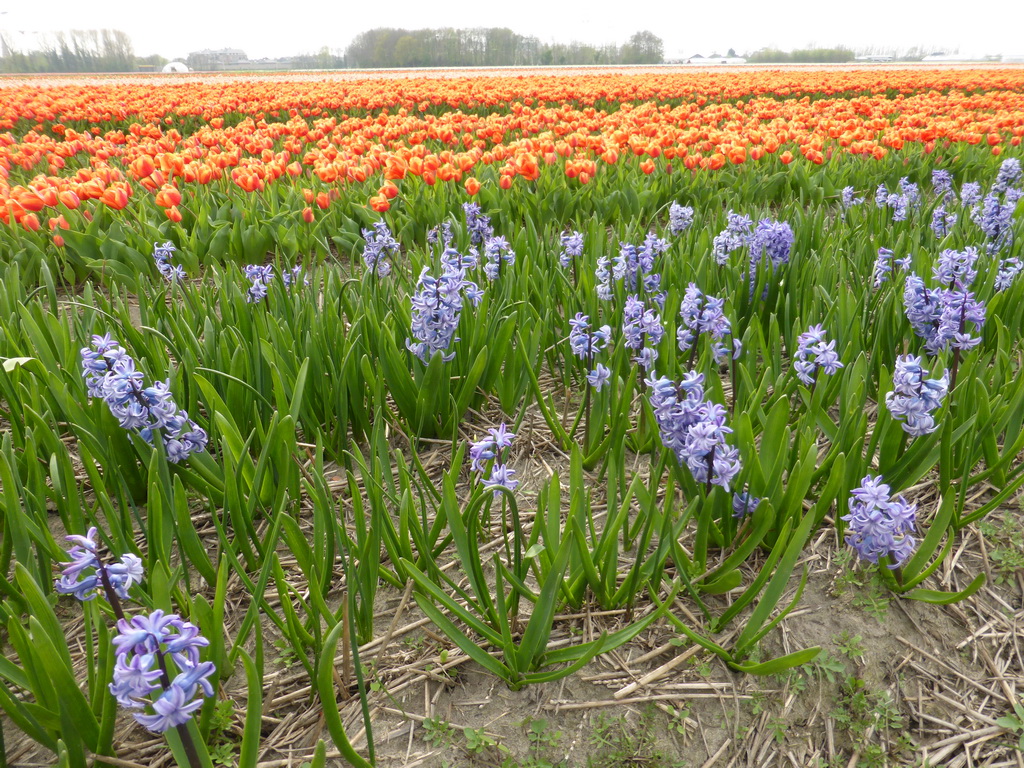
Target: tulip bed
552, 368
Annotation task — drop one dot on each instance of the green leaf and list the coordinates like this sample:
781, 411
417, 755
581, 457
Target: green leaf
10, 363
470, 648
329, 702
249, 752
938, 597
727, 582
776, 586
781, 664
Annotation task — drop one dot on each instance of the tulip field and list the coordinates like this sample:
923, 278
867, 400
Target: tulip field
637, 417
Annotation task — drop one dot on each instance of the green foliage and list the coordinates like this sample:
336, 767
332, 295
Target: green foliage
338, 461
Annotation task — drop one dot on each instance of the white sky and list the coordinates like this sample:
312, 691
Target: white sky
262, 28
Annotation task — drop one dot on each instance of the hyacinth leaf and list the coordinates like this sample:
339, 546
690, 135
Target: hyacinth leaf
538, 629
17, 538
174, 741
931, 542
249, 751
586, 655
464, 534
925, 452
468, 387
394, 367
590, 574
433, 391
70, 750
319, 756
799, 480
946, 468
1015, 482
191, 545
909, 583
258, 589
756, 638
40, 609
780, 664
587, 651
774, 447
727, 582
704, 642
104, 706
776, 586
10, 364
938, 597
158, 516
328, 699
432, 591
27, 717
470, 648
73, 706
833, 489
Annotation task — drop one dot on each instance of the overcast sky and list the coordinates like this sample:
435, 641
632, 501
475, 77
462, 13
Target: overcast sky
264, 29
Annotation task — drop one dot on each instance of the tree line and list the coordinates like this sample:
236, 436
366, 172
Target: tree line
802, 56
111, 50
490, 47
80, 50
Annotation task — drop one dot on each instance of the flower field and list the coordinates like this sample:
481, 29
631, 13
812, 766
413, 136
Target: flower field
660, 418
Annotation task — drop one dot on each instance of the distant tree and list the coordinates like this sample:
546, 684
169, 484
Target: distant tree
643, 48
152, 62
91, 50
496, 46
802, 56
732, 53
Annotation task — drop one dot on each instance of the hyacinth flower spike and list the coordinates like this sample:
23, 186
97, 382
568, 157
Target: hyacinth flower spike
110, 374
143, 645
881, 525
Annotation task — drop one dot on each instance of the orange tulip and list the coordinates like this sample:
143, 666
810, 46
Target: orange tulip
168, 196
30, 221
395, 168
647, 166
472, 185
142, 167
173, 214
58, 240
28, 199
322, 200
115, 196
379, 203
91, 190
786, 157
389, 190
307, 215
